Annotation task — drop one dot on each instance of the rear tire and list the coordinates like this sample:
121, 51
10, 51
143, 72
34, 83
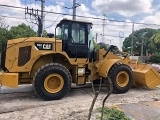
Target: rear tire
122, 78
52, 81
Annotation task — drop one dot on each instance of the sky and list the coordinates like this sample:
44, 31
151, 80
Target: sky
137, 11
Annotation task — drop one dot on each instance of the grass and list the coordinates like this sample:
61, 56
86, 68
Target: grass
113, 114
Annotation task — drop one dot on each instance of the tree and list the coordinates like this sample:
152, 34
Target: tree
45, 33
139, 35
3, 31
156, 37
3, 36
20, 31
3, 23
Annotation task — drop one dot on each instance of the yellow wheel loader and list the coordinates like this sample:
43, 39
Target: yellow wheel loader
52, 64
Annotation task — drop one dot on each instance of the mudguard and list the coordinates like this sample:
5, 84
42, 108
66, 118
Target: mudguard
105, 66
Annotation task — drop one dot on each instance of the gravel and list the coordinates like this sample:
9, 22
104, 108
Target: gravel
23, 104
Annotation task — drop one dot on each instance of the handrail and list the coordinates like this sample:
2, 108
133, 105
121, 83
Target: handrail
55, 39
110, 48
76, 50
88, 50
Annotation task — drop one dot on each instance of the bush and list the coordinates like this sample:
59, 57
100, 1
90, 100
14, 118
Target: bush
113, 114
154, 58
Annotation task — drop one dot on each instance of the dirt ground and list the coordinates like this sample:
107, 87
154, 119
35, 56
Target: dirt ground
75, 106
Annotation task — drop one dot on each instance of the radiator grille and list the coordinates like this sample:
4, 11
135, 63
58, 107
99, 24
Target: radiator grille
24, 55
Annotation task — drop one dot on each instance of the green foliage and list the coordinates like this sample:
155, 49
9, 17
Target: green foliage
96, 46
3, 36
155, 58
20, 31
149, 45
45, 33
113, 114
156, 37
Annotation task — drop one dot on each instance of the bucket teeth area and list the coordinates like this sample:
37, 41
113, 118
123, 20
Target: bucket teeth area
144, 75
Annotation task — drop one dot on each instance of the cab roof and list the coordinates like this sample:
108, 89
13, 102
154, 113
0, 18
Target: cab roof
69, 20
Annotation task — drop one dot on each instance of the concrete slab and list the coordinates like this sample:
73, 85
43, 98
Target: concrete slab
29, 88
21, 88
142, 110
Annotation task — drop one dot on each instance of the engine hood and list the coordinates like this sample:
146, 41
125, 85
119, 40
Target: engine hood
32, 39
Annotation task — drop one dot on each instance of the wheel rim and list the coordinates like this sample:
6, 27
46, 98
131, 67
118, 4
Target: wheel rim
122, 78
54, 83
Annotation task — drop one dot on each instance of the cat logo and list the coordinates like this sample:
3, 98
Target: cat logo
47, 46
43, 46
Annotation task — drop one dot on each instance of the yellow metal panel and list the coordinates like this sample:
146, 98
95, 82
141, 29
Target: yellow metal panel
12, 57
81, 80
144, 75
32, 39
104, 68
9, 79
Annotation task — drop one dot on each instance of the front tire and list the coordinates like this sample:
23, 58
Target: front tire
52, 81
122, 78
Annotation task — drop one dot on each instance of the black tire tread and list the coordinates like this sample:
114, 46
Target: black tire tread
43, 69
112, 73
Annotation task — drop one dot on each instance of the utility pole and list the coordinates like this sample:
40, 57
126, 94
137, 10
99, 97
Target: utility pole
75, 5
74, 9
142, 46
103, 25
38, 18
42, 16
121, 36
96, 37
132, 39
143, 35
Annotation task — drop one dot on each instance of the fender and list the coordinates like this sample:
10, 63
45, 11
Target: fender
105, 67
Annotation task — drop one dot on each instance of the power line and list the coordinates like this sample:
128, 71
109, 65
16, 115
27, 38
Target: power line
113, 36
47, 20
61, 5
96, 18
100, 25
52, 22
23, 18
11, 17
39, 19
12, 8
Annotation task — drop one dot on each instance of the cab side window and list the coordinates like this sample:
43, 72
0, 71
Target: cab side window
78, 34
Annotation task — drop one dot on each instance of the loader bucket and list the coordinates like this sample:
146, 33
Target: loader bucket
144, 75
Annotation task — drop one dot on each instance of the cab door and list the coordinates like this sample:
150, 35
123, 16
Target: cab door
78, 45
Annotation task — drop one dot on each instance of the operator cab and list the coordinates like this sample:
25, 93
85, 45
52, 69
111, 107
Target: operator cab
76, 38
